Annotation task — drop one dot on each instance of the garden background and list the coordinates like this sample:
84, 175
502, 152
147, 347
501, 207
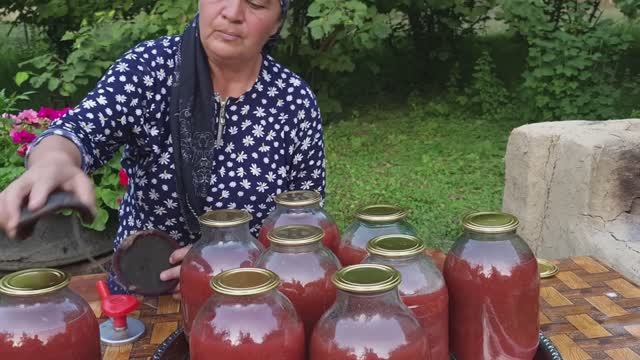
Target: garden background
418, 96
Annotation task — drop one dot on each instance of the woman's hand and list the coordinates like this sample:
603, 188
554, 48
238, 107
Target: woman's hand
55, 168
174, 272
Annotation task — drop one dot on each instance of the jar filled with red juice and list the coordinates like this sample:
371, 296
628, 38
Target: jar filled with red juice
371, 221
247, 318
422, 288
226, 243
301, 207
40, 318
493, 281
305, 267
368, 320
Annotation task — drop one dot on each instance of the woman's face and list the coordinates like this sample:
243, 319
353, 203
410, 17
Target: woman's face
237, 29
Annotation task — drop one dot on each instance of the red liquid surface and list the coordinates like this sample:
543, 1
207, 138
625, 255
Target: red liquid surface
195, 276
349, 255
493, 309
432, 311
247, 332
79, 339
331, 238
368, 338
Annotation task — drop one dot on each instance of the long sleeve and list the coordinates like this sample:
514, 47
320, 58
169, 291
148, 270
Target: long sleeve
109, 115
307, 171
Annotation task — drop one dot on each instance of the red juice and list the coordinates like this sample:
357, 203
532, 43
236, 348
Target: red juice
196, 273
350, 255
331, 238
42, 331
432, 311
376, 337
247, 332
493, 305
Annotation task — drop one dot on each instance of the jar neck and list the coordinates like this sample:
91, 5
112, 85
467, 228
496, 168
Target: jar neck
489, 237
295, 249
359, 302
223, 234
298, 209
396, 259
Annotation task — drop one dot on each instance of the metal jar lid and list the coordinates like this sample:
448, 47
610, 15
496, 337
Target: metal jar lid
245, 281
395, 245
295, 235
34, 282
381, 213
298, 198
547, 269
366, 278
490, 222
225, 218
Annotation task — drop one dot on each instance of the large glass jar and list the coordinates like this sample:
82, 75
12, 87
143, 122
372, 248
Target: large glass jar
301, 207
368, 320
493, 283
371, 221
226, 243
422, 288
247, 318
41, 318
305, 267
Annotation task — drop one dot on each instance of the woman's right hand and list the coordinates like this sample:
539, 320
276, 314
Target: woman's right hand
52, 171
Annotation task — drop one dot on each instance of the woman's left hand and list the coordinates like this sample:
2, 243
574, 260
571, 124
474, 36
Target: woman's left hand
174, 272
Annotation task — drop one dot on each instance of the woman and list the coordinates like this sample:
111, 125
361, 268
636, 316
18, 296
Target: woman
208, 120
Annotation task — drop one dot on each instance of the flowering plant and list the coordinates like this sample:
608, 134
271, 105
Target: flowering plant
18, 131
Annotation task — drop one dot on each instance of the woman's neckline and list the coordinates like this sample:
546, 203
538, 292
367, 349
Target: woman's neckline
250, 89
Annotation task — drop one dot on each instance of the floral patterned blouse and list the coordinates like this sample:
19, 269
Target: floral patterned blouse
272, 140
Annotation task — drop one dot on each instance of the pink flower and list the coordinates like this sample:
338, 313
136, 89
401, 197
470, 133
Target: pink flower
22, 150
21, 136
52, 114
28, 116
123, 177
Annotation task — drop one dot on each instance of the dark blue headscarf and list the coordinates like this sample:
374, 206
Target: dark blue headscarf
192, 111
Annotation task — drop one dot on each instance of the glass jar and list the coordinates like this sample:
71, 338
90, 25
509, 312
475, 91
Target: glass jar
493, 282
371, 221
301, 207
247, 318
305, 267
368, 319
422, 288
226, 243
41, 317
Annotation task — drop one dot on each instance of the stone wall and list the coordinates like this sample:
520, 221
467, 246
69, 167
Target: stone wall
575, 185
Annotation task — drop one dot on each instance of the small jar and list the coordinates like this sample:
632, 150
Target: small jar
305, 267
494, 287
371, 221
247, 318
368, 319
422, 288
40, 317
226, 243
300, 207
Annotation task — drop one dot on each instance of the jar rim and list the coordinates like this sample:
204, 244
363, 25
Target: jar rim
245, 281
490, 222
32, 282
298, 198
295, 235
381, 213
366, 278
225, 218
396, 245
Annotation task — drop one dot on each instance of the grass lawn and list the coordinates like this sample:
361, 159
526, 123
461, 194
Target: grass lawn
438, 167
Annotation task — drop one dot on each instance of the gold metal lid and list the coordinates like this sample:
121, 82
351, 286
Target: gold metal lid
547, 269
225, 218
34, 282
295, 235
366, 278
490, 222
381, 213
298, 198
396, 245
245, 281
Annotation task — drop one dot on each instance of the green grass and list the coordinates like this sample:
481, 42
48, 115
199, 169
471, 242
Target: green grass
438, 167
